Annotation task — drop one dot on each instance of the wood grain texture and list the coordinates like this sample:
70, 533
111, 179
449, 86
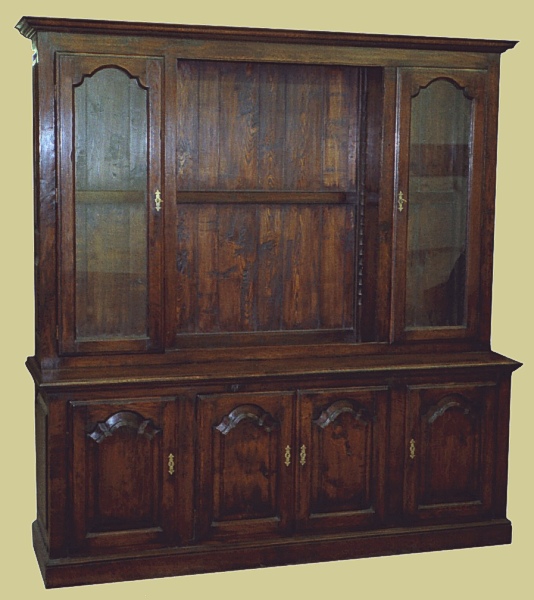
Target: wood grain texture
282, 552
120, 480
252, 268
250, 126
244, 484
344, 433
448, 472
42, 467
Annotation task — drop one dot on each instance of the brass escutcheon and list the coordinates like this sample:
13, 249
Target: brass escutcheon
158, 200
401, 201
287, 456
303, 455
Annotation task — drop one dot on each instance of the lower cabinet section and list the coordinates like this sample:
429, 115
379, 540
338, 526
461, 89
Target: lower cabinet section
186, 479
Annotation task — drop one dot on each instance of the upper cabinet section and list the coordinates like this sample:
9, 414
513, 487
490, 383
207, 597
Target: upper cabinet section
274, 193
110, 176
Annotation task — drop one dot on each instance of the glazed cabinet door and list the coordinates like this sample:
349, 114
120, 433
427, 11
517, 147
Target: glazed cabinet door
123, 474
244, 464
440, 162
450, 451
110, 203
341, 458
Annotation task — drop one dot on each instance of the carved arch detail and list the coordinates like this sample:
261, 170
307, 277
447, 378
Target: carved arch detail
251, 412
450, 402
330, 414
82, 77
417, 87
132, 420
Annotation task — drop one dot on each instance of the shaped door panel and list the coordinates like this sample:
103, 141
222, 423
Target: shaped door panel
244, 474
123, 477
450, 451
342, 446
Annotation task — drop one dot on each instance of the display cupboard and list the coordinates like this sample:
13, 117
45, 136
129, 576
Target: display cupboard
263, 265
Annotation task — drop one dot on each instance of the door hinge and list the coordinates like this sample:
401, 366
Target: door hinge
401, 201
35, 55
57, 332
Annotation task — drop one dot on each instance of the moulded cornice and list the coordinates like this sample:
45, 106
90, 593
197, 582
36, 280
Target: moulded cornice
29, 26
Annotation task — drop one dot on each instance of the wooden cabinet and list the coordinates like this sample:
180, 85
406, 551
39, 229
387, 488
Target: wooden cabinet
263, 298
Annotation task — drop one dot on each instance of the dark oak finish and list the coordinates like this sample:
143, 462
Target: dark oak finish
343, 442
123, 489
244, 480
264, 268
111, 253
250, 350
449, 465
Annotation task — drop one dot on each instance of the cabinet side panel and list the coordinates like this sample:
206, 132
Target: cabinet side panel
488, 212
502, 424
41, 446
45, 201
58, 474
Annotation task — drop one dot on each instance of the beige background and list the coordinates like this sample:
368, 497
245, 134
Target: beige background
483, 573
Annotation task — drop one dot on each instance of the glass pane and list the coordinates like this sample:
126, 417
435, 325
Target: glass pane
110, 206
437, 206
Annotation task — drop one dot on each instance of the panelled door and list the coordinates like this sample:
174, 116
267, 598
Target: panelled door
450, 450
440, 167
110, 198
342, 443
269, 463
244, 464
124, 473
